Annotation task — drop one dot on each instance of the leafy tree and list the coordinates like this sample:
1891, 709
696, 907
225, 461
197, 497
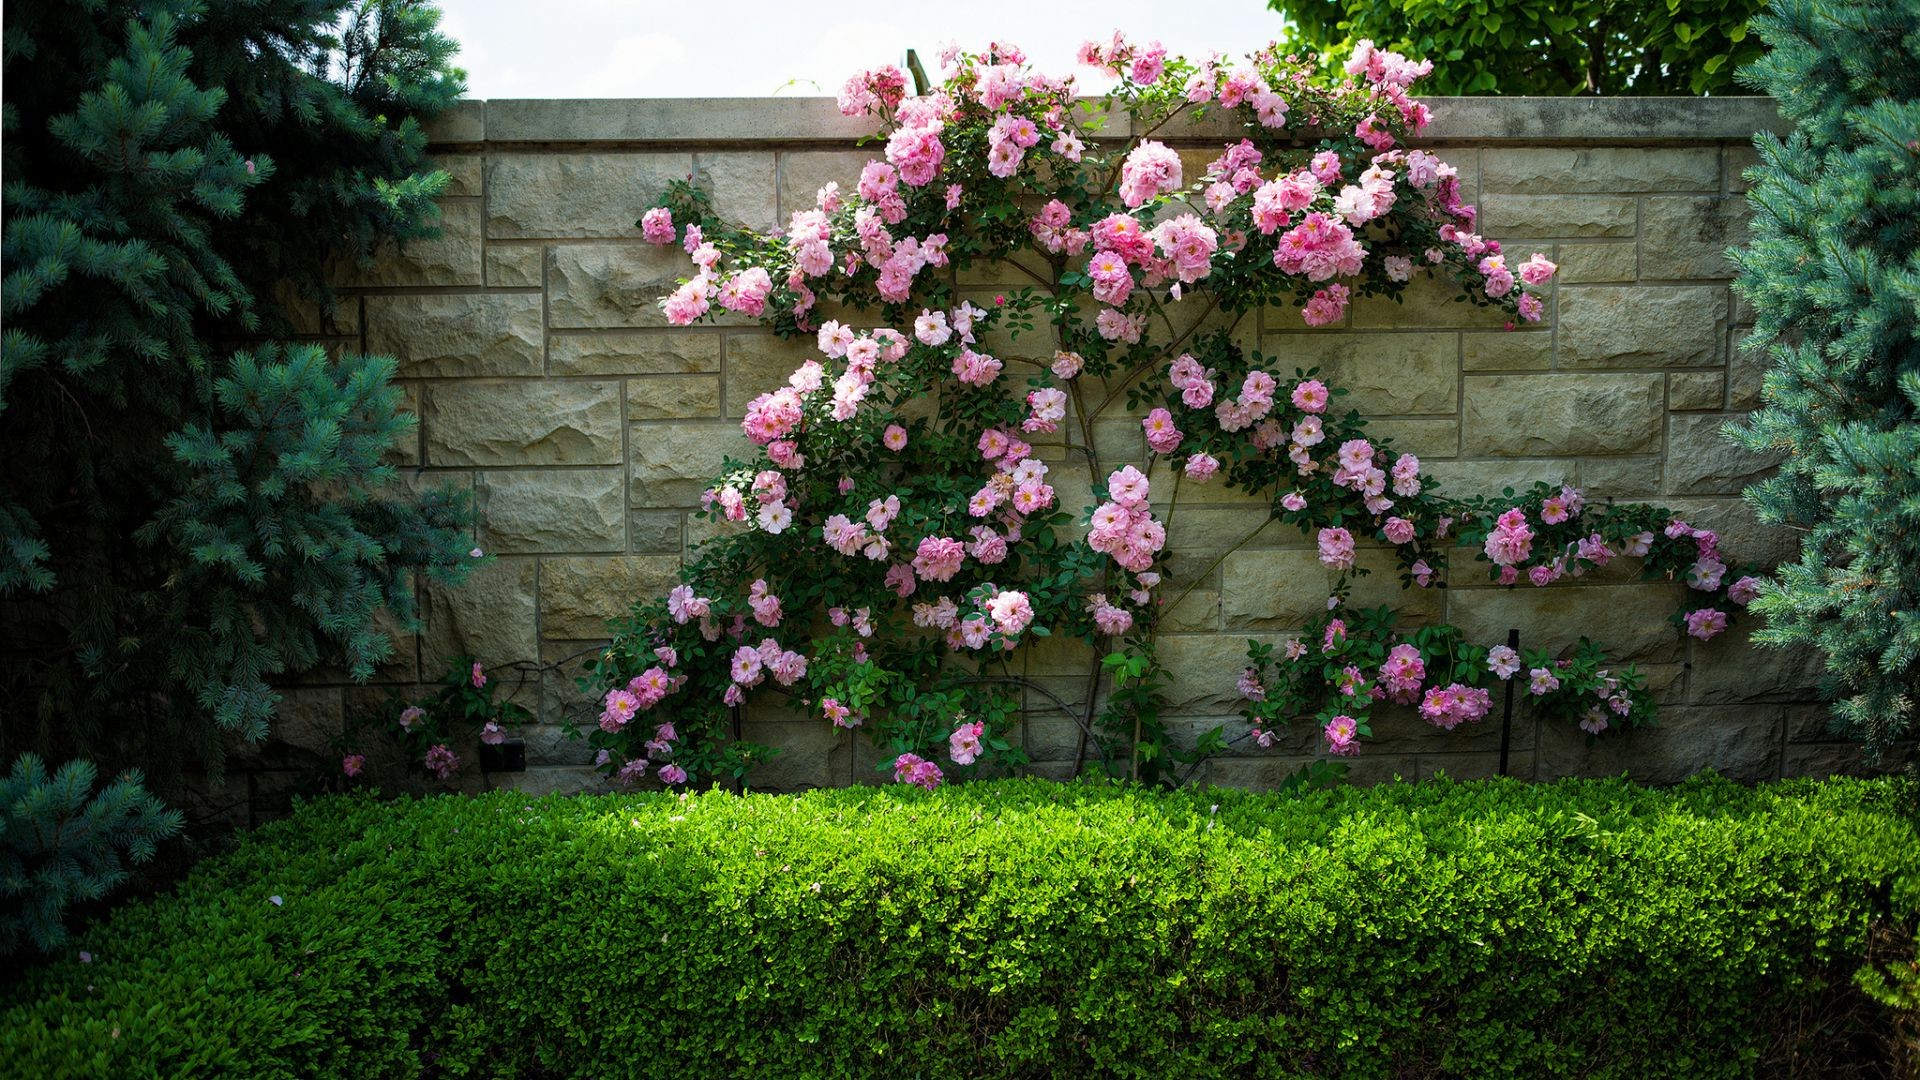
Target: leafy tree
1833, 274
1529, 47
181, 523
60, 843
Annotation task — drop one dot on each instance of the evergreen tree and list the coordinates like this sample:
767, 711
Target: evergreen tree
60, 843
1833, 273
181, 523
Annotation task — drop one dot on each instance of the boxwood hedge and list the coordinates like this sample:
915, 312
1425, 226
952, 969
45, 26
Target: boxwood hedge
1009, 928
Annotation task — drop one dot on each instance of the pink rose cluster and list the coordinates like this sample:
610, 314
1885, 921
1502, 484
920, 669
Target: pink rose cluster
1450, 706
966, 744
916, 770
1124, 526
1151, 169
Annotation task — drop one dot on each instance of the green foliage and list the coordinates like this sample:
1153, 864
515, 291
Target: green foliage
1833, 274
61, 843
1487, 929
180, 523
1529, 47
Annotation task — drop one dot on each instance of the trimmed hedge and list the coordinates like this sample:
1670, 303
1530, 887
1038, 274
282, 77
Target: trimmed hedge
1011, 928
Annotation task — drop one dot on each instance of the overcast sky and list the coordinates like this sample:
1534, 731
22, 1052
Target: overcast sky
755, 48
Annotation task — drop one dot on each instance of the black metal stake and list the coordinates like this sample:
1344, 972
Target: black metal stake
1506, 718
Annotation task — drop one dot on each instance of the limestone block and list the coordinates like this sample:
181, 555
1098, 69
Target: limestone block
1522, 415
1742, 535
1739, 742
523, 423
490, 616
673, 397
805, 172
1684, 237
601, 285
759, 363
1507, 350
1425, 438
1539, 217
1731, 669
549, 745
674, 462
1701, 461
1620, 478
1387, 374
1696, 391
1740, 158
644, 352
1273, 590
452, 258
656, 532
1629, 620
579, 594
515, 266
566, 510
1600, 169
1201, 669
1642, 326
576, 194
463, 174
1428, 301
1583, 264
1465, 479
741, 184
459, 335
808, 753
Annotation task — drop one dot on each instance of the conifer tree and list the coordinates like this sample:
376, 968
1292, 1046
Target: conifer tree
186, 514
1833, 273
61, 843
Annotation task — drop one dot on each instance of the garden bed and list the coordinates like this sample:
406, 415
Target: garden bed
1011, 928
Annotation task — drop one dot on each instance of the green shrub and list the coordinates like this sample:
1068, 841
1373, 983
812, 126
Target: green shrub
1528, 47
60, 843
1009, 928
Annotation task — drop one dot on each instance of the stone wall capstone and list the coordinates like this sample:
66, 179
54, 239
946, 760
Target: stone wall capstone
545, 377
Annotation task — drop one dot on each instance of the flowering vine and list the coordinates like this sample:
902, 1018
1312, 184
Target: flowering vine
898, 534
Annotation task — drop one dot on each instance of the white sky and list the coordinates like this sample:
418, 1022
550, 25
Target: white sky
756, 48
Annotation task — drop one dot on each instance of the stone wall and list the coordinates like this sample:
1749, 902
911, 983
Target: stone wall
546, 380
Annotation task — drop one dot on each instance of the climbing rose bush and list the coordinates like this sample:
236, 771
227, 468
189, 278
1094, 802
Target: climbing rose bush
928, 496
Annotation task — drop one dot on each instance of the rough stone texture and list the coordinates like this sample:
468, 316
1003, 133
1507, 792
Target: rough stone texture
1387, 374
1701, 461
1642, 326
1587, 264
651, 352
673, 463
1506, 350
572, 195
1688, 236
673, 397
460, 335
1540, 217
515, 266
1600, 169
579, 594
570, 510
524, 423
452, 258
740, 184
1519, 415
534, 351
490, 616
592, 286
1694, 391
